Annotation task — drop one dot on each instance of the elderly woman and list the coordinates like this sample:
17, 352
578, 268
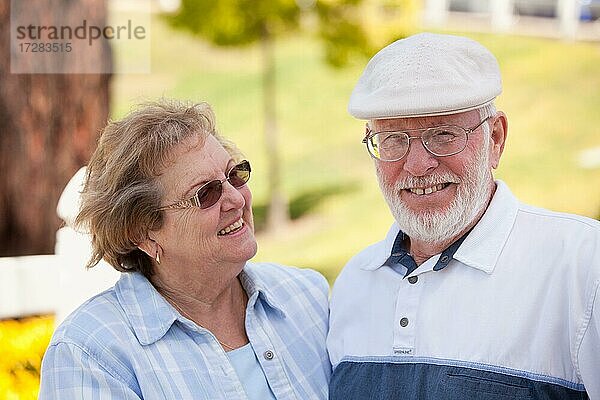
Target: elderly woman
166, 203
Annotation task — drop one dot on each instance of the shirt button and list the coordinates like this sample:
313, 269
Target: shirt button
445, 259
413, 279
268, 355
404, 322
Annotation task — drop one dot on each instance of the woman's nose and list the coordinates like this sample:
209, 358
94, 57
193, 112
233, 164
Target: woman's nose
232, 197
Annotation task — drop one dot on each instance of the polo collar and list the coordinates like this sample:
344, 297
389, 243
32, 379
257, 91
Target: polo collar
480, 248
377, 254
403, 263
483, 246
151, 316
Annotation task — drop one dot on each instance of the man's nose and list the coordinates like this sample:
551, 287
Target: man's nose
418, 161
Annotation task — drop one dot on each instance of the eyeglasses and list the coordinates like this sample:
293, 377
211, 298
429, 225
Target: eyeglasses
441, 141
209, 193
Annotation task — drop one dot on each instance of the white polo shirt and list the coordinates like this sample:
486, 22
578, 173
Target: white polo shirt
515, 313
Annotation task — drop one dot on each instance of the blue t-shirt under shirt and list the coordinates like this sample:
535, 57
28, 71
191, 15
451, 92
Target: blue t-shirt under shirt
250, 372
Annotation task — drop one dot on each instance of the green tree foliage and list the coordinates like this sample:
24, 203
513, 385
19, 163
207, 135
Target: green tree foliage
342, 33
237, 22
352, 29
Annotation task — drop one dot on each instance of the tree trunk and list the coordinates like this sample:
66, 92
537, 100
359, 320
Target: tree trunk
48, 128
278, 214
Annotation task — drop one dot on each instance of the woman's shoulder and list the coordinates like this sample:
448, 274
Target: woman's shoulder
300, 293
273, 275
95, 337
100, 316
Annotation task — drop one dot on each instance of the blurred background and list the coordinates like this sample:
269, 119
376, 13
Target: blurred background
278, 74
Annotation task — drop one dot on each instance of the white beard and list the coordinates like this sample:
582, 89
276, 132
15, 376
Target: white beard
472, 196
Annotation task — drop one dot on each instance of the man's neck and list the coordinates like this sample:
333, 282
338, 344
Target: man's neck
422, 251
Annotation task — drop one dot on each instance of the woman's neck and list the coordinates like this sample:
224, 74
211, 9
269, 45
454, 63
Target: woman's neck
222, 312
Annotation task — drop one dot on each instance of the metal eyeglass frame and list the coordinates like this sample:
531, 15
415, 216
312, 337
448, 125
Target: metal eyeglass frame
194, 201
370, 134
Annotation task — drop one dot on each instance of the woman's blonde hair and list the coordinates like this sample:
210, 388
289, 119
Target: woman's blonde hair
122, 193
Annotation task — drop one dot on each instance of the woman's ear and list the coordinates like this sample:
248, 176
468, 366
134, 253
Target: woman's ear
151, 248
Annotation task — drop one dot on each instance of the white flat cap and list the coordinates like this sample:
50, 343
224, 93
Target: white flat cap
426, 74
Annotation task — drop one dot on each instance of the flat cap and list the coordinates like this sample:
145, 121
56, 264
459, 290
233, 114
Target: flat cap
426, 74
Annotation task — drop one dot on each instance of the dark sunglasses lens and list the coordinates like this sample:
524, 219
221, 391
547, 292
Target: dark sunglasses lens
209, 194
240, 174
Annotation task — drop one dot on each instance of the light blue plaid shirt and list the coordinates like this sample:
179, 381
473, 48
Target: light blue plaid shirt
130, 343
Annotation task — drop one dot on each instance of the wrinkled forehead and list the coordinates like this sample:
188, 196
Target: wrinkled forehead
465, 119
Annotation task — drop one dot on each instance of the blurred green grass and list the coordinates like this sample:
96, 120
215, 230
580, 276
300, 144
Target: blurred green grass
551, 96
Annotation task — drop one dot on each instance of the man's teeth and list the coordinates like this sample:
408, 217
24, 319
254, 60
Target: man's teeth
232, 228
428, 190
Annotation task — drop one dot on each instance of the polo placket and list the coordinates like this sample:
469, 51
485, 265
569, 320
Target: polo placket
406, 315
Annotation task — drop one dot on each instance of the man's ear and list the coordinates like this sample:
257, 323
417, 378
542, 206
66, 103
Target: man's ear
499, 130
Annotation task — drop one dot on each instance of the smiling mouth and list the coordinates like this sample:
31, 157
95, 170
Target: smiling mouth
428, 190
236, 226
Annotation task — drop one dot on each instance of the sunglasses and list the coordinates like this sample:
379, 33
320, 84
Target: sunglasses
209, 193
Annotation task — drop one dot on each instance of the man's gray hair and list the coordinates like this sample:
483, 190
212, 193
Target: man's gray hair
487, 111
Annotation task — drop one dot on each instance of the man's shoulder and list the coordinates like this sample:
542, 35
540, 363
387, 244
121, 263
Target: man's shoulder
563, 244
364, 262
564, 223
368, 255
547, 226
374, 254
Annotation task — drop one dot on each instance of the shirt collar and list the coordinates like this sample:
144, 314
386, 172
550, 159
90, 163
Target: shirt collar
403, 263
149, 313
483, 246
151, 316
256, 288
479, 248
379, 252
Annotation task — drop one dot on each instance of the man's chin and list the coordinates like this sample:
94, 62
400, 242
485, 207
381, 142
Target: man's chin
423, 217
431, 227
410, 214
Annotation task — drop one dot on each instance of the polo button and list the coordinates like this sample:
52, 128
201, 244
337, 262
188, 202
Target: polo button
268, 355
396, 254
445, 259
404, 322
413, 279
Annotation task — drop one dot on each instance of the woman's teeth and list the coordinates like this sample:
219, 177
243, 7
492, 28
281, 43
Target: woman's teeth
231, 228
428, 190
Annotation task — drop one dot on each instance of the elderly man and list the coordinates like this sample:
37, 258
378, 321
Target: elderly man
472, 294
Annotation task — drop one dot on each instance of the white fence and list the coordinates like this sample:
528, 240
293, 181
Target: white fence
52, 284
57, 283
28, 285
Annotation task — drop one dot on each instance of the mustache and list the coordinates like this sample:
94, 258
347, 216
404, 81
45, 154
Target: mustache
426, 181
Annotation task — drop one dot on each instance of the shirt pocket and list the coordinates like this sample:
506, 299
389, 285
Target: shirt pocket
461, 383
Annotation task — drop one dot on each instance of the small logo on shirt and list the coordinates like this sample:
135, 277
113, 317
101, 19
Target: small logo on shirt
403, 351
